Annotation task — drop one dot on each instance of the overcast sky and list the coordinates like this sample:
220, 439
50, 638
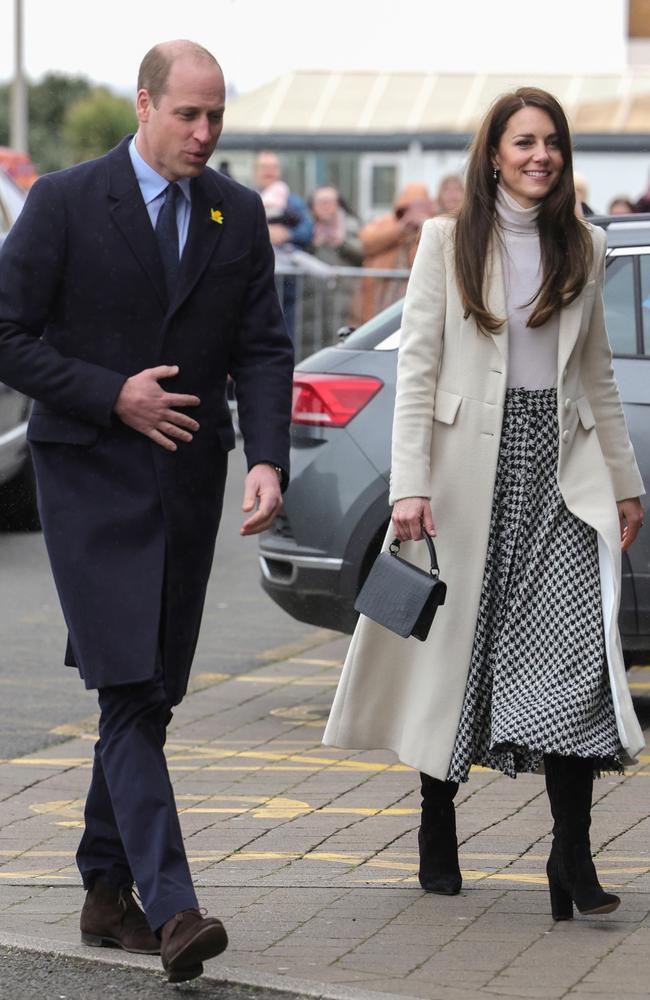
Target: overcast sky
256, 41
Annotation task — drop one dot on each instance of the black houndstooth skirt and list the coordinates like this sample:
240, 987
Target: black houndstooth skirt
538, 676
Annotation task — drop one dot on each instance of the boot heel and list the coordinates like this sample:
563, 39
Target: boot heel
561, 901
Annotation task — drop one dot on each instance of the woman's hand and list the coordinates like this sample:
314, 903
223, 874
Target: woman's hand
630, 516
410, 515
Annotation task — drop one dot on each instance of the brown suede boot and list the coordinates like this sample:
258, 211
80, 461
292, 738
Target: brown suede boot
188, 939
111, 918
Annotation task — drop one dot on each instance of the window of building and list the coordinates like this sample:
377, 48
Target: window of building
383, 184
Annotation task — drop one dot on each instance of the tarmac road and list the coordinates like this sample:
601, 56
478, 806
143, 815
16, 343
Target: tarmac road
28, 975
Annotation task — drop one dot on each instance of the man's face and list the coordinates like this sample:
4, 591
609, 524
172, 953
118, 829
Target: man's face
267, 170
178, 137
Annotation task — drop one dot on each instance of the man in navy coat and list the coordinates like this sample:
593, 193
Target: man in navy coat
130, 287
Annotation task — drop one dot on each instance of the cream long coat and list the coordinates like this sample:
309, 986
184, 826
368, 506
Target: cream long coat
405, 695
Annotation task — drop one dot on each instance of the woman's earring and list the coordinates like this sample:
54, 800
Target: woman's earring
495, 173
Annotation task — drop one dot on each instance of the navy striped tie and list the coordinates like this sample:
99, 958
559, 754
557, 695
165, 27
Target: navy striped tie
167, 236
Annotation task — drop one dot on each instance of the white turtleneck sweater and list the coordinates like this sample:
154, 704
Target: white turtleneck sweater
532, 353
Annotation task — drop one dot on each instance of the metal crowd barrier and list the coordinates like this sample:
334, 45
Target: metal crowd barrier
318, 300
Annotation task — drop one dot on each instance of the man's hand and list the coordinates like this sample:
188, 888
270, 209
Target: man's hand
279, 234
146, 407
630, 516
262, 486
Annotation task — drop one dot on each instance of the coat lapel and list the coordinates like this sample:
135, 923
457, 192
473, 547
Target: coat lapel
130, 215
203, 236
570, 320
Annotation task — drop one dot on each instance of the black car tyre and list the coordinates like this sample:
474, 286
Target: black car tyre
18, 507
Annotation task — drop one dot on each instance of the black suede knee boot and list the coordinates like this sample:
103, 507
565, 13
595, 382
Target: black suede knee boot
439, 870
570, 868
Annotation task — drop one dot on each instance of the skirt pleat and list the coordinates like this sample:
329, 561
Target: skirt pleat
538, 678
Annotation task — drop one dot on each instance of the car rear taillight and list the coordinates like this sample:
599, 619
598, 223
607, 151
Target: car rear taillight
330, 400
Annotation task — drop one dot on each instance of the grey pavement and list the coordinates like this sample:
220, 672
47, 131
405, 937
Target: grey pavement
309, 855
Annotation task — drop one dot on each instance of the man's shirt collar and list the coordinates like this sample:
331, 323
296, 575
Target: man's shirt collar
152, 184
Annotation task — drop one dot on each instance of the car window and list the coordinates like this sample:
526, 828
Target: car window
644, 262
620, 312
376, 329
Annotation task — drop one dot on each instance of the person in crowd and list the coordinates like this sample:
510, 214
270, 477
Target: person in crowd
336, 231
284, 238
390, 242
335, 243
450, 195
510, 447
621, 205
269, 171
582, 194
155, 281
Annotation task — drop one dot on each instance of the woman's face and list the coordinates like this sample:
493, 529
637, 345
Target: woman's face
529, 157
450, 196
325, 204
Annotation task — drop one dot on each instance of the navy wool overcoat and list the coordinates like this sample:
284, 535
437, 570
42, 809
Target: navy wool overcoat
130, 527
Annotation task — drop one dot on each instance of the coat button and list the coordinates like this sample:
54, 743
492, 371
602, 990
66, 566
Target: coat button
567, 404
565, 435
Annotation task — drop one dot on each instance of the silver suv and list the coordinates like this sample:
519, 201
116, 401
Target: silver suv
336, 511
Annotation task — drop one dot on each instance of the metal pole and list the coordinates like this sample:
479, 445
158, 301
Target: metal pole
18, 126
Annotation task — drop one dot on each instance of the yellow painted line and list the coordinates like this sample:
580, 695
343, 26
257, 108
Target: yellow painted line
317, 638
358, 811
639, 685
200, 754
387, 861
292, 679
30, 875
317, 663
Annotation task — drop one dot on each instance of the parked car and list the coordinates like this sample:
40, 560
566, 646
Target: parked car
336, 514
17, 487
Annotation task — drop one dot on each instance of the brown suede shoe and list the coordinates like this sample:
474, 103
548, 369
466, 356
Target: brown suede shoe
111, 918
188, 939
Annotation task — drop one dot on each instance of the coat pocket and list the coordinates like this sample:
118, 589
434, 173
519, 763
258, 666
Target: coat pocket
445, 406
585, 413
59, 428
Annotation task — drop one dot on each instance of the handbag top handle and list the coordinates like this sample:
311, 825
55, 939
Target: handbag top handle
435, 572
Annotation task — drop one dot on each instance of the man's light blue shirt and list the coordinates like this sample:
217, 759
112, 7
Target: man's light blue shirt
153, 186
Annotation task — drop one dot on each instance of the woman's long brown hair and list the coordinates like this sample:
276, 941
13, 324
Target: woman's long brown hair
566, 247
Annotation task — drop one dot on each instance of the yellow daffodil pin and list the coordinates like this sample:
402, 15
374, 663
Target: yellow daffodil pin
216, 216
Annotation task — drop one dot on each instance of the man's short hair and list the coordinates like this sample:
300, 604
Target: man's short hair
156, 65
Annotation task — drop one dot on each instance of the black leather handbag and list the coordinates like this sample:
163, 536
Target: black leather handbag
400, 596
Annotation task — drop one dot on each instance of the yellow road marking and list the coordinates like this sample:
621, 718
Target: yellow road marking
293, 679
199, 754
317, 638
639, 685
316, 663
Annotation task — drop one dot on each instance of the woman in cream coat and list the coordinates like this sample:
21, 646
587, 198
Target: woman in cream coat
510, 446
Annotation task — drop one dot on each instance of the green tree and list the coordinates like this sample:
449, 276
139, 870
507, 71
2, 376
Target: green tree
95, 124
49, 101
